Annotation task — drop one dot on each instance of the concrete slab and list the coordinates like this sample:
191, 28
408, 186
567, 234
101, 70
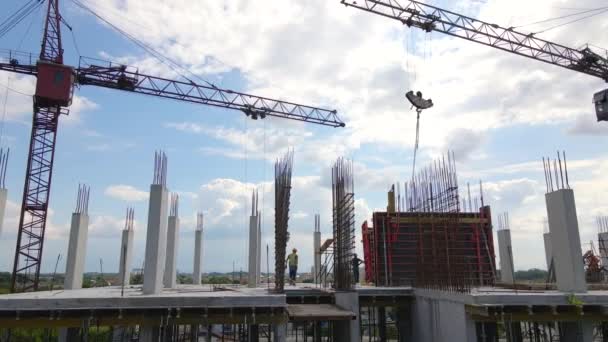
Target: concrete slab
184, 296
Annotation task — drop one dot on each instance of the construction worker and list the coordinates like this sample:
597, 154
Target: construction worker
292, 262
356, 262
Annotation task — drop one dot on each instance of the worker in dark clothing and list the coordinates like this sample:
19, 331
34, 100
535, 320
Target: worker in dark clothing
356, 262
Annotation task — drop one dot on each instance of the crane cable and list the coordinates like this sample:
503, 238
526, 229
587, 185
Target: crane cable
417, 140
8, 84
563, 16
573, 21
170, 63
23, 12
418, 111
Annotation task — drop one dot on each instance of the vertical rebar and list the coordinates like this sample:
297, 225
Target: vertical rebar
282, 189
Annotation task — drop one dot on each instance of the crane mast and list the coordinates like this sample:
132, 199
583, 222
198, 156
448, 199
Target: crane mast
53, 95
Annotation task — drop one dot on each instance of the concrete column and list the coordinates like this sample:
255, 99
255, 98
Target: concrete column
487, 331
259, 261
441, 317
198, 250
513, 332
317, 332
254, 333
381, 319
253, 252
77, 248
3, 195
317, 249
149, 333
280, 332
126, 255
170, 280
565, 238
346, 331
548, 249
576, 331
317, 255
506, 256
156, 239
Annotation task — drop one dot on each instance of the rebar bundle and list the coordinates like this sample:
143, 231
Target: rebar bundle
3, 166
174, 206
554, 176
82, 199
160, 168
343, 201
433, 189
425, 238
129, 219
282, 190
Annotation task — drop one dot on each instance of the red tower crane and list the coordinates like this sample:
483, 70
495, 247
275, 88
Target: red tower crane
53, 96
431, 18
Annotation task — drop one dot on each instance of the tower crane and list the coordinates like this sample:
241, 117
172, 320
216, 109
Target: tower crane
431, 18
53, 96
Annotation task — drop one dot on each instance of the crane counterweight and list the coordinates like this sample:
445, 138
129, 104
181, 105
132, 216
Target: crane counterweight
55, 85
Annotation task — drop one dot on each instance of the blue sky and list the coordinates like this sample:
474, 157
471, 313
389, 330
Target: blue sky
499, 113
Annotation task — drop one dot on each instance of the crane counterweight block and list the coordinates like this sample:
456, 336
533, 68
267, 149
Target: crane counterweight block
600, 100
55, 86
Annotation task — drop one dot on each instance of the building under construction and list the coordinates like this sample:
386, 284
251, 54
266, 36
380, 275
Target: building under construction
424, 239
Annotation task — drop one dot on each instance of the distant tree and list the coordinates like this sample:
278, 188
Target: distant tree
531, 275
137, 278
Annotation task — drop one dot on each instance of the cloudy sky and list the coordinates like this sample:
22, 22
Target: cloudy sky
499, 113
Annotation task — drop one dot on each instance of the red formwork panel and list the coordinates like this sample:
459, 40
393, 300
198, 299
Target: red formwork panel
55, 85
368, 238
430, 249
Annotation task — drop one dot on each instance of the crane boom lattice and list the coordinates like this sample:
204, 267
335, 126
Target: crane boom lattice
430, 18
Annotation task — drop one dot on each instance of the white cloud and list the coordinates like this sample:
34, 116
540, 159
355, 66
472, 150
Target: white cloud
318, 52
363, 66
19, 106
587, 125
126, 193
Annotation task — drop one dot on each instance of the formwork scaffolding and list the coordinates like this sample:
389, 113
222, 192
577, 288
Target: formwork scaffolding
425, 240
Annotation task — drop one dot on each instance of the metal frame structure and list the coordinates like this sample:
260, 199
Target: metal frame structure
37, 187
32, 223
343, 201
106, 74
431, 18
282, 191
426, 240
